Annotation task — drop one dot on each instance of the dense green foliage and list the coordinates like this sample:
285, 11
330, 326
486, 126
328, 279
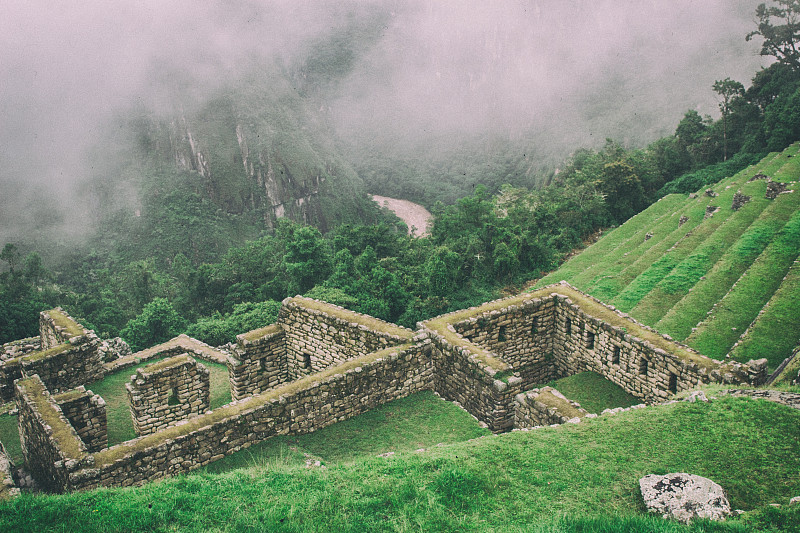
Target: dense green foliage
578, 478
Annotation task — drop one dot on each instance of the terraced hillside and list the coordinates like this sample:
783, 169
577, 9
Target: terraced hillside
726, 283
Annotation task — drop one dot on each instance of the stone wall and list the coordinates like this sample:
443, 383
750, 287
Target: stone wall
68, 357
14, 349
634, 356
484, 356
520, 335
321, 335
86, 412
50, 445
309, 404
460, 375
7, 487
544, 407
259, 362
166, 392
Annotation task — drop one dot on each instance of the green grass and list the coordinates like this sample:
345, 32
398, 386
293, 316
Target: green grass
580, 477
689, 311
9, 436
418, 421
662, 262
776, 332
112, 389
700, 254
594, 392
789, 374
613, 240
665, 228
734, 312
627, 268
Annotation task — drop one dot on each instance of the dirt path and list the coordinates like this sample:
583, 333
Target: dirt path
414, 215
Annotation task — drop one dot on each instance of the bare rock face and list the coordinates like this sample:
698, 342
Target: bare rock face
739, 200
684, 497
774, 188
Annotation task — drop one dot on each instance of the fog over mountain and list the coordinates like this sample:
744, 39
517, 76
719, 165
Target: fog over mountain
563, 74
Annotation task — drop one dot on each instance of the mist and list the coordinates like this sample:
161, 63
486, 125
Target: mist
562, 74
568, 73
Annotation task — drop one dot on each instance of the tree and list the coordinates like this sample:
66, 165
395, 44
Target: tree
158, 322
779, 26
10, 255
308, 261
729, 90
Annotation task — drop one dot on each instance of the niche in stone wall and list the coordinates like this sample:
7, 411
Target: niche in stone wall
501, 334
589, 340
534, 326
306, 360
643, 366
615, 355
568, 326
673, 383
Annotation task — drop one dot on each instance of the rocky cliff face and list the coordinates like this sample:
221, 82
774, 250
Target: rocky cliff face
260, 147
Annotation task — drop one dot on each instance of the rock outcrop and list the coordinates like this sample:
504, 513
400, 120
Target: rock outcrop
684, 497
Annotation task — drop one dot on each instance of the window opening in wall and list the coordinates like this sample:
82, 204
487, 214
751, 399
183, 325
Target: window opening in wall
615, 356
262, 364
501, 335
589, 340
173, 397
534, 328
307, 361
643, 366
673, 383
568, 326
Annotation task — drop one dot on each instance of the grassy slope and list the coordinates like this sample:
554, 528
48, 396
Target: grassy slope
657, 262
777, 331
699, 257
733, 313
624, 268
612, 241
692, 308
533, 481
705, 282
9, 436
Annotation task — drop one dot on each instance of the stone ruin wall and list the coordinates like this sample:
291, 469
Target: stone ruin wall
573, 342
520, 335
258, 364
50, 444
544, 407
481, 367
316, 340
63, 360
86, 413
14, 349
164, 393
331, 397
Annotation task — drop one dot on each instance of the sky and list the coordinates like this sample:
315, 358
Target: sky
568, 72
